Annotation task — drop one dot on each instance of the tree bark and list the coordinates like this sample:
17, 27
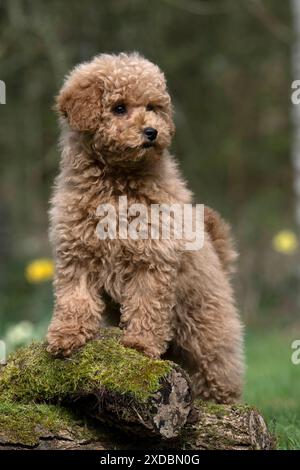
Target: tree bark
122, 400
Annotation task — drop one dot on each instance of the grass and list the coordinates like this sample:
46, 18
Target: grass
273, 383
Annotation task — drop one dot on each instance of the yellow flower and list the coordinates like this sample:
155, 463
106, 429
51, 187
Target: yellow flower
285, 242
39, 270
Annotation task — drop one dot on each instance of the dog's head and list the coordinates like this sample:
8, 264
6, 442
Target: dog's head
122, 103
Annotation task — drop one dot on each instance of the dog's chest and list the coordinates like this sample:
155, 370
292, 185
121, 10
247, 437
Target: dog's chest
107, 224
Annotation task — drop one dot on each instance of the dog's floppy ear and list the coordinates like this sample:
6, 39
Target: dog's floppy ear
79, 102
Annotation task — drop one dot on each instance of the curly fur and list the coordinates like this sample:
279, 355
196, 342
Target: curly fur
173, 303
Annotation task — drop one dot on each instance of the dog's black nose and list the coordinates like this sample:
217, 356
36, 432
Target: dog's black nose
150, 133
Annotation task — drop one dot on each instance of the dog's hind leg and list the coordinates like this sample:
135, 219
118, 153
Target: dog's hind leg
208, 332
210, 350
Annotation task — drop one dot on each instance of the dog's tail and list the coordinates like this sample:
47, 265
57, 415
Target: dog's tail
220, 235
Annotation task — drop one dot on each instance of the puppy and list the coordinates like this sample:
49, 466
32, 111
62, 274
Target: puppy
117, 125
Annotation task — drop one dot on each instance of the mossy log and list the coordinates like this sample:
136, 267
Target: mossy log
40, 426
112, 383
122, 400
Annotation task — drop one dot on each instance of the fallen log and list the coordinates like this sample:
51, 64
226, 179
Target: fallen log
40, 426
50, 403
112, 383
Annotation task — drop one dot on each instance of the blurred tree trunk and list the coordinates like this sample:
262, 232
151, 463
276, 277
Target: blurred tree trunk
5, 242
295, 8
296, 108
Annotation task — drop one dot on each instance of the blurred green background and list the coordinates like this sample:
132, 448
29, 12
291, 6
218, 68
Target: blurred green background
228, 67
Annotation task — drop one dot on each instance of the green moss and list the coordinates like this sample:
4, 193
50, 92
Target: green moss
33, 374
23, 424
222, 410
214, 408
243, 407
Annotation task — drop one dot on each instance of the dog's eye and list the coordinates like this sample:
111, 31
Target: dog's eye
150, 107
154, 107
119, 109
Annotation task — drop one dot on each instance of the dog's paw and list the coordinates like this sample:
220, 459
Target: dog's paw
141, 345
64, 344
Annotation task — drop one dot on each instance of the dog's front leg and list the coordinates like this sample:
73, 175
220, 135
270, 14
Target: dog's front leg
77, 314
147, 310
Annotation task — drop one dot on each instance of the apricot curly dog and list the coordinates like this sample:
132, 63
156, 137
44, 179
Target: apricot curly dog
117, 124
